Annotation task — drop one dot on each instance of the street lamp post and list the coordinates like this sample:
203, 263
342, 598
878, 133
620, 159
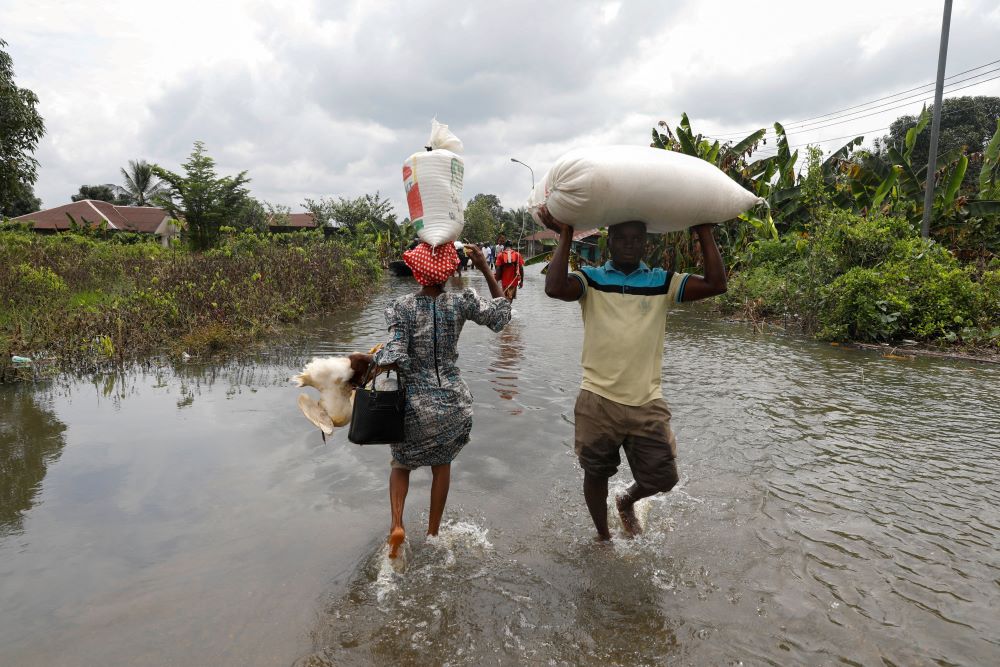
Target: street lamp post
514, 159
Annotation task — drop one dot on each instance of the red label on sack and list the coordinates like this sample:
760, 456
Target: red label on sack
413, 200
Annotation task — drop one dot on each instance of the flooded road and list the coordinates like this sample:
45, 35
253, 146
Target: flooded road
834, 507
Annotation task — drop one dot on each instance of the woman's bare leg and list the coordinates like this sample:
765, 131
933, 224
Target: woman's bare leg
399, 485
439, 496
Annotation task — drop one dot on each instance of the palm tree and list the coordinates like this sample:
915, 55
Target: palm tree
141, 184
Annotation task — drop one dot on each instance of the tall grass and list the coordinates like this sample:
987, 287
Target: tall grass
81, 302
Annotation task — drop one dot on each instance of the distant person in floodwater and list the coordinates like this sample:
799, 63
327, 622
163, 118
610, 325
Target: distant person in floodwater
510, 270
620, 406
423, 347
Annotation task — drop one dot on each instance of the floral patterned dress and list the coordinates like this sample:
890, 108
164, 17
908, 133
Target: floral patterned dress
423, 343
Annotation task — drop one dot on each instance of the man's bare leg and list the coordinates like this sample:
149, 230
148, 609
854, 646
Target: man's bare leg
626, 508
595, 492
439, 496
399, 485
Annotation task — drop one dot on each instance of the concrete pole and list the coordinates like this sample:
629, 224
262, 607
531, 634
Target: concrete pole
925, 227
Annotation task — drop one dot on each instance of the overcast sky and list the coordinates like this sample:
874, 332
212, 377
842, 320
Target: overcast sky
322, 99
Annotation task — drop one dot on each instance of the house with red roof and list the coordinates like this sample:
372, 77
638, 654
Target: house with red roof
137, 219
291, 222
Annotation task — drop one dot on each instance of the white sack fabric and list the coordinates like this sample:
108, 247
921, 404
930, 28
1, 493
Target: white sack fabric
433, 183
594, 187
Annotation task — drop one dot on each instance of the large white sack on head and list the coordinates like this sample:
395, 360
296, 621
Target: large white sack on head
599, 186
433, 184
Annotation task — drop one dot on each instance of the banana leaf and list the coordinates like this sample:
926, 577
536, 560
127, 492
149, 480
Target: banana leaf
713, 153
884, 188
539, 258
991, 158
785, 195
984, 208
913, 132
907, 179
686, 124
841, 153
687, 141
748, 142
955, 182
658, 140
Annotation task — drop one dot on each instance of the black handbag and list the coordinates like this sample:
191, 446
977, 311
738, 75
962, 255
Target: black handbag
378, 415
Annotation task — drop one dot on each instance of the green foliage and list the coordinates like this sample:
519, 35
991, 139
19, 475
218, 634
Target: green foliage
989, 174
889, 179
21, 128
21, 201
814, 192
84, 302
364, 213
849, 277
967, 123
108, 192
141, 186
204, 200
482, 215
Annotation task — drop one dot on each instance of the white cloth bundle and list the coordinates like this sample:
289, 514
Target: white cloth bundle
433, 183
599, 186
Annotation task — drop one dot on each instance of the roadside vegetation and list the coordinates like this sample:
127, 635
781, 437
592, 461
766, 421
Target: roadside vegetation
75, 302
839, 253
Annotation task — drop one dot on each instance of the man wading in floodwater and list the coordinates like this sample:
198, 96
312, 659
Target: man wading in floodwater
624, 305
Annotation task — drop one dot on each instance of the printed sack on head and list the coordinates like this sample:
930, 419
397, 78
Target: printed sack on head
433, 181
599, 186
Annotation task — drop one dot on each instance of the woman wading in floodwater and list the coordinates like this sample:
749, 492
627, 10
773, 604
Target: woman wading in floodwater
423, 347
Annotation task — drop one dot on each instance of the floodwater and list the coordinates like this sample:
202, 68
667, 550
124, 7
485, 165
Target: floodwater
834, 507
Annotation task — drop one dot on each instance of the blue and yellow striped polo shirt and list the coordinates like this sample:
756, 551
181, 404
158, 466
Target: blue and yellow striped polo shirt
624, 317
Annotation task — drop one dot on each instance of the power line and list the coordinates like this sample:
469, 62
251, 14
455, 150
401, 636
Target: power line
944, 114
870, 102
876, 113
856, 116
822, 141
802, 126
867, 104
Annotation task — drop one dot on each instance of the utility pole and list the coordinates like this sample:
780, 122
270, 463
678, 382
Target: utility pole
925, 227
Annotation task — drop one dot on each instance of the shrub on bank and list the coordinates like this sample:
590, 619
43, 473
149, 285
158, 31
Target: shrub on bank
84, 301
848, 277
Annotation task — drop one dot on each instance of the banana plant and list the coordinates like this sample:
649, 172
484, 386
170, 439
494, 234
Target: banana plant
989, 175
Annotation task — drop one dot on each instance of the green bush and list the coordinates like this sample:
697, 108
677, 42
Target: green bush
83, 300
772, 251
848, 277
862, 304
846, 240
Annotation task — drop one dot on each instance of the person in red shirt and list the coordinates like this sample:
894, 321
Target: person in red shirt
510, 271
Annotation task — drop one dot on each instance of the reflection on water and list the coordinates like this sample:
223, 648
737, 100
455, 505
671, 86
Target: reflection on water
833, 507
31, 439
506, 363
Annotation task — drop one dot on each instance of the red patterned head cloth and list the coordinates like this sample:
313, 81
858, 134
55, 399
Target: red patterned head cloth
432, 266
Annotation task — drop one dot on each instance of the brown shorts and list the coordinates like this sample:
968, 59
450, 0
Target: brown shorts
604, 426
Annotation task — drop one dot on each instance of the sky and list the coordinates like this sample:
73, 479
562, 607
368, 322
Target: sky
327, 99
